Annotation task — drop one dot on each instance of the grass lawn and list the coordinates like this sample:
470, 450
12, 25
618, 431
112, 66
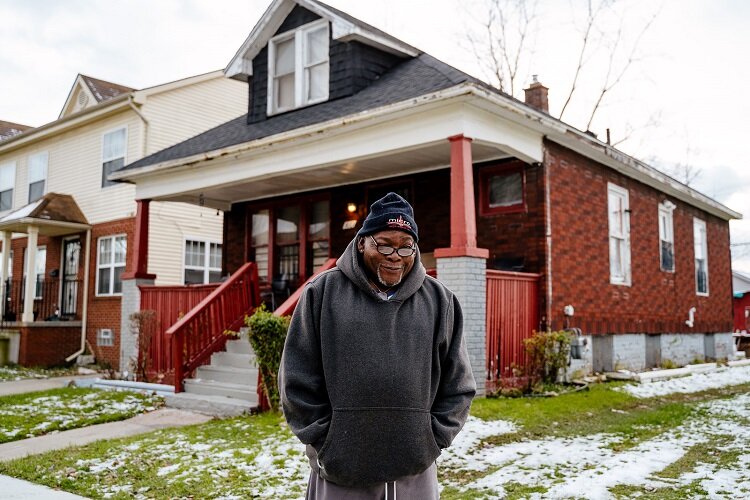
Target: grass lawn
593, 444
36, 413
16, 372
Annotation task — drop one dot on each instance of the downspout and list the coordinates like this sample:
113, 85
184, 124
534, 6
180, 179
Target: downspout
144, 130
84, 312
548, 234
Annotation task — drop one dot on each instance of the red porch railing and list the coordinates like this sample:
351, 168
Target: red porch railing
169, 303
512, 315
200, 332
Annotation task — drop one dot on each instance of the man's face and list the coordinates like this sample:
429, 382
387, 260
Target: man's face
389, 269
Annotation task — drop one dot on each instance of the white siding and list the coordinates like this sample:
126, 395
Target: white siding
182, 113
170, 224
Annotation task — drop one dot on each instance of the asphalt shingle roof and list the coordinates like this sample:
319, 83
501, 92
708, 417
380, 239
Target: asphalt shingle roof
103, 90
9, 129
410, 79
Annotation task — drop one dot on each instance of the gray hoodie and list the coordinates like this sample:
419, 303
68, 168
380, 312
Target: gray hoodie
375, 388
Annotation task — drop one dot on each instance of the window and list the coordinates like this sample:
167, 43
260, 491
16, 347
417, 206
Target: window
37, 175
105, 337
619, 235
113, 153
7, 182
701, 257
110, 264
259, 242
666, 236
298, 67
40, 264
202, 262
501, 189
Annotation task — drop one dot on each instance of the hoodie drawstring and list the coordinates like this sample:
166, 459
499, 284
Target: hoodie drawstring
394, 490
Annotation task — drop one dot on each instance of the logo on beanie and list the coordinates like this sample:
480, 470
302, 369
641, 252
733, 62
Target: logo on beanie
399, 223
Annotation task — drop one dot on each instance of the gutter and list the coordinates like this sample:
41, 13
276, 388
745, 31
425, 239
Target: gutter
144, 130
84, 311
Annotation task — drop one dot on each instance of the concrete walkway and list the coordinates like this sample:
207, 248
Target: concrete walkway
11, 488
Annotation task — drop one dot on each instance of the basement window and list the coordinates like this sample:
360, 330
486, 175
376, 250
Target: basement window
105, 337
298, 67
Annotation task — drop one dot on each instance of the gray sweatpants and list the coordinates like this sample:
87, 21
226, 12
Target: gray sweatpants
423, 486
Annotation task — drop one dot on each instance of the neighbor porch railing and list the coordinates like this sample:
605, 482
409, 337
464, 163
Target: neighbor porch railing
47, 303
512, 316
201, 332
169, 304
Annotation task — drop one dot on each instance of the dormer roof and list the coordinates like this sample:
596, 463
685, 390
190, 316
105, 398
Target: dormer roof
9, 129
344, 28
88, 91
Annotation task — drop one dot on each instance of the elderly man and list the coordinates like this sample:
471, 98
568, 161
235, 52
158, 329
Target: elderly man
375, 378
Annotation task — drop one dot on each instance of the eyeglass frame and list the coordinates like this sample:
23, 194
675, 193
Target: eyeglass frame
378, 247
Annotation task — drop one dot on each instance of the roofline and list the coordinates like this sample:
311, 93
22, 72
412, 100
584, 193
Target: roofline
35, 221
342, 29
100, 110
552, 128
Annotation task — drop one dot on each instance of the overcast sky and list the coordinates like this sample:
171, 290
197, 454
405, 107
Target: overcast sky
688, 80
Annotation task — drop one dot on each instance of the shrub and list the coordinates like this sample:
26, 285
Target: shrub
267, 334
548, 353
143, 326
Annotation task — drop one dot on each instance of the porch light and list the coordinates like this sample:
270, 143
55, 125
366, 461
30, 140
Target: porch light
351, 207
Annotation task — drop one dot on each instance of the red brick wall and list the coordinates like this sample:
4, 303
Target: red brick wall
104, 311
657, 301
48, 346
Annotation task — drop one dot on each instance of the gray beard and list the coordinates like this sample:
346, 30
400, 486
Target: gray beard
389, 285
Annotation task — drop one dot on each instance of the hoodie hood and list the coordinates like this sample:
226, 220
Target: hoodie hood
349, 263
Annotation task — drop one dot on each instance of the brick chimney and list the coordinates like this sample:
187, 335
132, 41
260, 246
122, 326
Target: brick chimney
536, 96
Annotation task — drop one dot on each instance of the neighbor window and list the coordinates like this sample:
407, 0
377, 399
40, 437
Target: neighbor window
37, 175
666, 236
202, 262
701, 257
113, 153
619, 235
7, 182
259, 241
298, 67
105, 337
40, 265
501, 189
110, 264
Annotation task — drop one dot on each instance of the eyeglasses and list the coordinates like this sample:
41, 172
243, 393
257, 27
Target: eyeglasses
388, 250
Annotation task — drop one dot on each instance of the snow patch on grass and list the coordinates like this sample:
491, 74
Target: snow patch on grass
696, 382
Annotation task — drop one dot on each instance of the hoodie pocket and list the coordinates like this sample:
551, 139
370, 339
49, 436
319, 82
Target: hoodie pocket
371, 445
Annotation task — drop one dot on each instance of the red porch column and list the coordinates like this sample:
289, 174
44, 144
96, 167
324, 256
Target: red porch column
140, 244
463, 214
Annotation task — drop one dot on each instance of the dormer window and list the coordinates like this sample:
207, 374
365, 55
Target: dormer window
298, 67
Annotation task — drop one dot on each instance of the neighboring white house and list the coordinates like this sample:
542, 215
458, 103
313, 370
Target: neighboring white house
102, 127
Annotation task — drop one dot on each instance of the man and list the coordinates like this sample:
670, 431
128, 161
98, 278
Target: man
375, 378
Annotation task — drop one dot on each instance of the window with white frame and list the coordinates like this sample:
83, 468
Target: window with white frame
110, 264
7, 183
202, 262
105, 337
666, 236
37, 175
701, 257
113, 153
619, 235
40, 267
298, 67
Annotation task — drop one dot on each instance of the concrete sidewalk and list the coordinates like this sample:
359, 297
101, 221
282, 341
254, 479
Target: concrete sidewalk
13, 489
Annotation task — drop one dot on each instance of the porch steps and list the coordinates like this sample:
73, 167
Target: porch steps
226, 387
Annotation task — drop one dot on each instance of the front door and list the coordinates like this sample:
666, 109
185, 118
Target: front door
71, 260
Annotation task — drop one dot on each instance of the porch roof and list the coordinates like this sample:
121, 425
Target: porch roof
54, 214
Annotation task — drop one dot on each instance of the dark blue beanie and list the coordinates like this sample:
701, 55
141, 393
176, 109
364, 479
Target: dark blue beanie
390, 212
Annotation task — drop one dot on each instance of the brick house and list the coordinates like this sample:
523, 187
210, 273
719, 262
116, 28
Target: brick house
58, 211
520, 214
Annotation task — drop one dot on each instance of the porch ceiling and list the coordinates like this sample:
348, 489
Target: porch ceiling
419, 159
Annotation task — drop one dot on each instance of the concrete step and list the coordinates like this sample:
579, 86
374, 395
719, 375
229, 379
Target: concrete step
212, 388
239, 346
230, 374
216, 406
233, 359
